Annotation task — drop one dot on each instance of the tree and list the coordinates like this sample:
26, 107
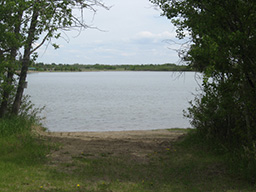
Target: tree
23, 24
222, 46
11, 16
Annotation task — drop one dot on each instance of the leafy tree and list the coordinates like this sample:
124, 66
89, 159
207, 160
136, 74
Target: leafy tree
222, 46
22, 24
9, 45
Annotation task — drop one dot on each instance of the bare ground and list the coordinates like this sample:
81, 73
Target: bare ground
134, 144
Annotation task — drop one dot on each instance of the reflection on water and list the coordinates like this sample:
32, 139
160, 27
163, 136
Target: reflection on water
112, 101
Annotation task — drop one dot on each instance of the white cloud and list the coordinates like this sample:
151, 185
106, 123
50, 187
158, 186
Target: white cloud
128, 54
147, 37
145, 34
134, 34
161, 35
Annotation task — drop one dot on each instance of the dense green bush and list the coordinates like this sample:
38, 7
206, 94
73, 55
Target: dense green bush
226, 113
222, 44
225, 118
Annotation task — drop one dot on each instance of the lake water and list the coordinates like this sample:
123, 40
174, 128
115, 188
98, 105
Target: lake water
112, 101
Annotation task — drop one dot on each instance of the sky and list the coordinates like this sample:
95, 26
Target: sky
131, 32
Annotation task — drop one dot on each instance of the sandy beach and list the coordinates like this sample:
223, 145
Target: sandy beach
132, 135
136, 144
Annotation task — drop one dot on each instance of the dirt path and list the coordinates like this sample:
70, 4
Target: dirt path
135, 144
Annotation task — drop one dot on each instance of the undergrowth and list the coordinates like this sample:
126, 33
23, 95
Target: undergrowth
240, 162
18, 146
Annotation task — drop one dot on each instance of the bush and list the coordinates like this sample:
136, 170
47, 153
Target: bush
29, 111
224, 116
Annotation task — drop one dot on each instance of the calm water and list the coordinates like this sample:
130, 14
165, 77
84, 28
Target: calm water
112, 101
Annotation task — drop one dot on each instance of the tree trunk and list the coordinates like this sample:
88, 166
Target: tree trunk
25, 62
6, 93
20, 89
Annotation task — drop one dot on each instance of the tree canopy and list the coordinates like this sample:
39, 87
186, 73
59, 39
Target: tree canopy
221, 32
25, 25
222, 46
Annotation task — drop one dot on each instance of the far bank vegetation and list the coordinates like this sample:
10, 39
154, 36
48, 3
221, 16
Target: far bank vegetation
103, 67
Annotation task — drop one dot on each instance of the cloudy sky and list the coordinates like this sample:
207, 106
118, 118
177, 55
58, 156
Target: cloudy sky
132, 32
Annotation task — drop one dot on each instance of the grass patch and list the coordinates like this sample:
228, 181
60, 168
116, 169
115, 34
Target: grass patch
21, 154
181, 166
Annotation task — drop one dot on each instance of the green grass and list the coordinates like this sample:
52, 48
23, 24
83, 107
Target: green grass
21, 154
182, 166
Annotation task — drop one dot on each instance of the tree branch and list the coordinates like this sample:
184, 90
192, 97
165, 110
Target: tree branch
43, 41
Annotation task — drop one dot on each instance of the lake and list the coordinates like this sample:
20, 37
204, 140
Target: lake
112, 101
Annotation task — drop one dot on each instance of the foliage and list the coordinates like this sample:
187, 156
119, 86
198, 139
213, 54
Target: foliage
222, 46
101, 67
29, 112
24, 27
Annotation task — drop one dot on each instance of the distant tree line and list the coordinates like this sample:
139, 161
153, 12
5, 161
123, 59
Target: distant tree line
100, 67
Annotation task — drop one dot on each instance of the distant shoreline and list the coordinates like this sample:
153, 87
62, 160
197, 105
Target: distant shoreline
29, 72
41, 67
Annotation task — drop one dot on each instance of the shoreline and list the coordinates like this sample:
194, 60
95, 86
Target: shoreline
31, 72
131, 134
